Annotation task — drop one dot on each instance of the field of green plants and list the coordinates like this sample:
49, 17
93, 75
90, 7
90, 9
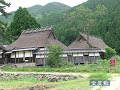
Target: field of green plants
100, 66
25, 83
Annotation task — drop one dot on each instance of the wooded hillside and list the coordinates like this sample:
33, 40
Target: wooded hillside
97, 17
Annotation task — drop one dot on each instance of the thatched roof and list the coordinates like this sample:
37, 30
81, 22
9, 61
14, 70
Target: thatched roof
2, 47
36, 38
83, 43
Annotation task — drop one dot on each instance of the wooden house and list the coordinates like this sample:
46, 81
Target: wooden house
86, 49
31, 46
2, 54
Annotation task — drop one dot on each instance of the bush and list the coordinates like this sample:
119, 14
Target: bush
66, 64
109, 53
117, 57
54, 59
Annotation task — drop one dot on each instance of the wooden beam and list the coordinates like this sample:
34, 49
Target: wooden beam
15, 57
94, 57
18, 57
23, 56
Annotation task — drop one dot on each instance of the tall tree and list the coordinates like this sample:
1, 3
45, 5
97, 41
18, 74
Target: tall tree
2, 7
21, 21
54, 59
3, 27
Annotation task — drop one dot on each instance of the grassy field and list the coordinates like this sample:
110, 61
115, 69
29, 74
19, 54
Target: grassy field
23, 83
79, 84
101, 66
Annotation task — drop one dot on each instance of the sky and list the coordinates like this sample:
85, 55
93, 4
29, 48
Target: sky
15, 4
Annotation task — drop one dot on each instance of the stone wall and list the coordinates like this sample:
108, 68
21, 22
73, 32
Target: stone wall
39, 76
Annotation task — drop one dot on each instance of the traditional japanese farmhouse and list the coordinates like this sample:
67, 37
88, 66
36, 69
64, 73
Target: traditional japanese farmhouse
86, 49
2, 54
31, 46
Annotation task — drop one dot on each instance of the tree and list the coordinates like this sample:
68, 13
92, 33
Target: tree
109, 53
54, 59
3, 26
2, 7
3, 29
21, 21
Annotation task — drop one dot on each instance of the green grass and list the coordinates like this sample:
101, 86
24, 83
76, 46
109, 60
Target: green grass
99, 76
100, 66
19, 83
79, 84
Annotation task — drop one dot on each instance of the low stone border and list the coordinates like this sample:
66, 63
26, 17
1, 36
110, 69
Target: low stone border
39, 76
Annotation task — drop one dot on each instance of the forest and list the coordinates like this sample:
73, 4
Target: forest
100, 18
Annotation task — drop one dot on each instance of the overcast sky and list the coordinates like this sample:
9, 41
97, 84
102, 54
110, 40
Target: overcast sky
28, 3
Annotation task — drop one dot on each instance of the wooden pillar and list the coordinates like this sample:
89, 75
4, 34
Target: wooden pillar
15, 57
18, 57
94, 57
44, 56
83, 58
33, 57
72, 59
23, 56
67, 57
88, 58
30, 58
10, 59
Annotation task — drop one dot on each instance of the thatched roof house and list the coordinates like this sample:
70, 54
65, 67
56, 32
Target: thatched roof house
35, 39
31, 46
86, 49
85, 42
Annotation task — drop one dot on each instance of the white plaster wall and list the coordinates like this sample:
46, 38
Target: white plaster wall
97, 54
28, 54
21, 54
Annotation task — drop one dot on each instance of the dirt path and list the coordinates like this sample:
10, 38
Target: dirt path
114, 84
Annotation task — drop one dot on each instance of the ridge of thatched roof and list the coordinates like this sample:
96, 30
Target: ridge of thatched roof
36, 38
2, 47
82, 42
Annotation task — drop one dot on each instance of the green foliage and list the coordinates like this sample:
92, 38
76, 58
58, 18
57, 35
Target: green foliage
22, 21
101, 66
117, 57
3, 26
100, 18
3, 4
54, 59
102, 15
99, 76
109, 52
65, 63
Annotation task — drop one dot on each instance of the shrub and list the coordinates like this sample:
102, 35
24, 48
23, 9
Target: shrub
54, 59
109, 53
66, 64
117, 57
